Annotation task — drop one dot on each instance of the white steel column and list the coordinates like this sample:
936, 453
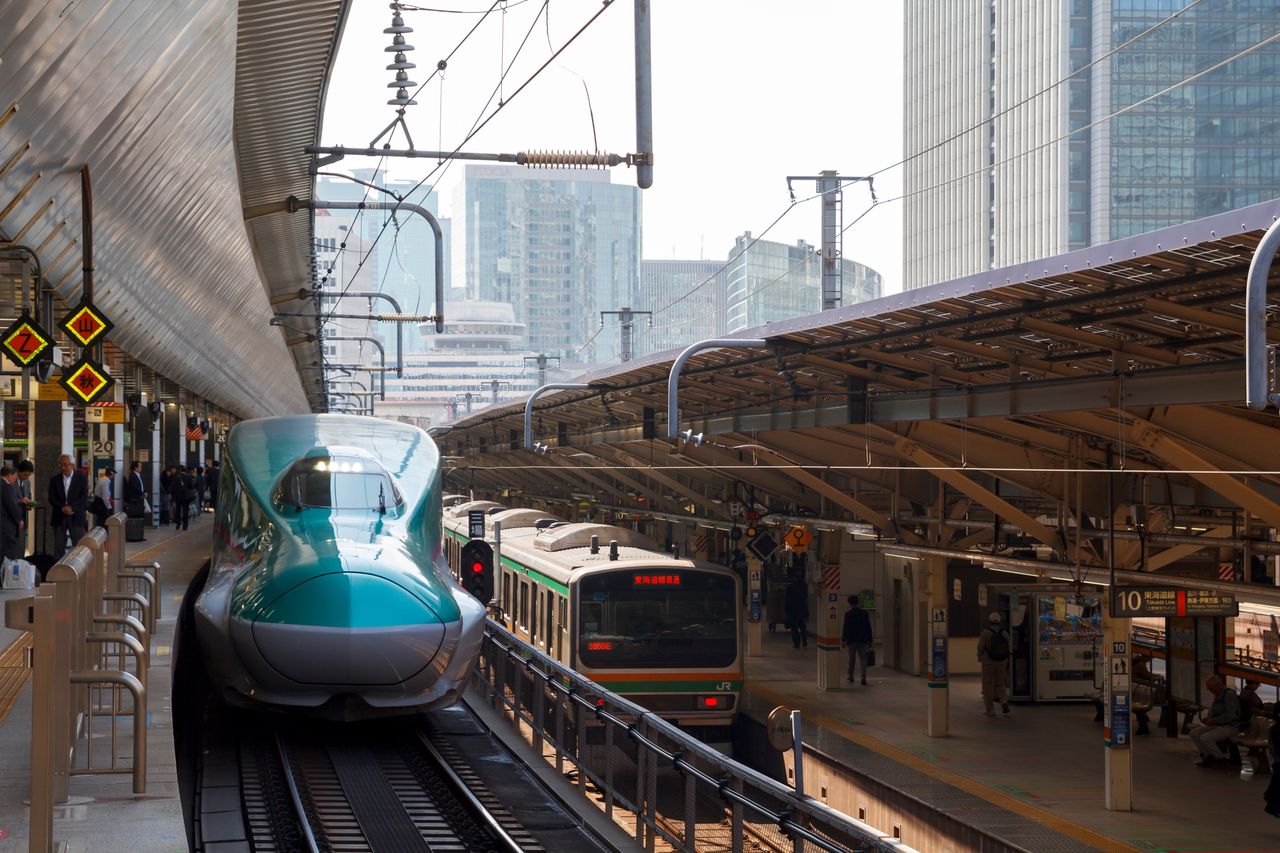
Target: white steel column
1117, 730
939, 689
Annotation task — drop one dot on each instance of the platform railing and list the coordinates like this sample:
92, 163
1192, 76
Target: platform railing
679, 792
140, 578
81, 674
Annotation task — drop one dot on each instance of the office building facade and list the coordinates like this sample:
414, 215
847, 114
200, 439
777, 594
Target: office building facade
560, 246
1006, 164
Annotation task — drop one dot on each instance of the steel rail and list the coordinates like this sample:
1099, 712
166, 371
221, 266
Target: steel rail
460, 789
295, 796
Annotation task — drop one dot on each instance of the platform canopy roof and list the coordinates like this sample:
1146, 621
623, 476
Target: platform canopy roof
187, 114
1009, 386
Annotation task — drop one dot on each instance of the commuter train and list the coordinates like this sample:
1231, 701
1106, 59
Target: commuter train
604, 601
328, 589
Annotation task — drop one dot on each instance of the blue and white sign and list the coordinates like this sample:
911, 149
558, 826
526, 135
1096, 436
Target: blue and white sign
1120, 720
939, 668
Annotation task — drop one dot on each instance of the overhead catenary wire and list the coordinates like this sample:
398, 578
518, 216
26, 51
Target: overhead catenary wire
480, 124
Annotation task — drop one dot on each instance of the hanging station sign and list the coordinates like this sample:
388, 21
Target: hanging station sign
1128, 602
86, 381
25, 342
85, 324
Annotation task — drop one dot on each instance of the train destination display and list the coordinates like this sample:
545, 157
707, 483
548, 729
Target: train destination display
1168, 601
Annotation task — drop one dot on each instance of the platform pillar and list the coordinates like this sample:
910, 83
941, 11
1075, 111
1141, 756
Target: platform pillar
939, 686
157, 465
1117, 715
829, 620
755, 606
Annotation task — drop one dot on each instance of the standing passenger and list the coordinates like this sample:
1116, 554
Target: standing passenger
166, 486
12, 518
857, 636
103, 500
68, 500
798, 610
993, 652
26, 468
1272, 794
211, 475
181, 493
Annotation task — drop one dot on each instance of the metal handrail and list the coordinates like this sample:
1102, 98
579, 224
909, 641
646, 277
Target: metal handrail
642, 726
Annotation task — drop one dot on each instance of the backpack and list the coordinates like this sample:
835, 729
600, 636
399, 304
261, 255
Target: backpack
998, 646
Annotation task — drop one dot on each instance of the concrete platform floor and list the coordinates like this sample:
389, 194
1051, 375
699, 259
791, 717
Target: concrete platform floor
1042, 762
104, 815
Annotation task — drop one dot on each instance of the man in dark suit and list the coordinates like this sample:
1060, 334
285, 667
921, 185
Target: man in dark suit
68, 501
135, 492
12, 517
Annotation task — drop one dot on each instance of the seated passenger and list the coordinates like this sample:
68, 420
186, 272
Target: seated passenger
1250, 701
1219, 722
1142, 668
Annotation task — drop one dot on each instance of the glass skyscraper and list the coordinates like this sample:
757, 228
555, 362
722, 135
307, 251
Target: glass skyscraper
1012, 167
559, 246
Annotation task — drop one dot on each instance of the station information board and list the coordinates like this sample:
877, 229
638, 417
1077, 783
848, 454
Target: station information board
1167, 601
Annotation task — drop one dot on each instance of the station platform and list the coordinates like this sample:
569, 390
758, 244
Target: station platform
104, 815
1034, 779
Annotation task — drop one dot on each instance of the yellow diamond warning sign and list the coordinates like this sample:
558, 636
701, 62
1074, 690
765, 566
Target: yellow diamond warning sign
798, 538
86, 380
85, 324
25, 341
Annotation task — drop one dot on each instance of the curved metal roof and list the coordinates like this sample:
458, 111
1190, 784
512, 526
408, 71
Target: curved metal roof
146, 93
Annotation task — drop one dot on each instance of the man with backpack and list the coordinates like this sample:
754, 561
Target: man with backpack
182, 491
993, 653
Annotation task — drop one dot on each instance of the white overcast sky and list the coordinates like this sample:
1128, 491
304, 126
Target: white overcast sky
746, 92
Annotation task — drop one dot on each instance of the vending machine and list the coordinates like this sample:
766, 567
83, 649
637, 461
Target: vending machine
1056, 640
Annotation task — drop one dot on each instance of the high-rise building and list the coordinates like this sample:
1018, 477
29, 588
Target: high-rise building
766, 282
558, 245
401, 262
689, 299
1006, 166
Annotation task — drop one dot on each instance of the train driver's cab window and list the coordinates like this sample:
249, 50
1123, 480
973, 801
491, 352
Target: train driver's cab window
337, 482
657, 620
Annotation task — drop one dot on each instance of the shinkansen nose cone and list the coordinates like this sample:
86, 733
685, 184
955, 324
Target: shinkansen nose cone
348, 628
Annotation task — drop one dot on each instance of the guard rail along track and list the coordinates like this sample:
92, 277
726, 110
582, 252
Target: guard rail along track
680, 793
386, 792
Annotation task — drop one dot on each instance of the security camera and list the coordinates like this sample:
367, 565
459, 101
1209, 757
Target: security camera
43, 371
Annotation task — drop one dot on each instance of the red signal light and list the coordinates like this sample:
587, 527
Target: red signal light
711, 701
477, 567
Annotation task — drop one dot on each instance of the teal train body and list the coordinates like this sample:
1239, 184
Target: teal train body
327, 588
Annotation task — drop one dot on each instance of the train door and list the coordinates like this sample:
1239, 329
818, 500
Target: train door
533, 622
549, 609
522, 615
561, 635
508, 603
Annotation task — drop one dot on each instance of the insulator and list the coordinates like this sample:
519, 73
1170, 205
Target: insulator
402, 81
398, 45
400, 64
397, 26
566, 159
402, 99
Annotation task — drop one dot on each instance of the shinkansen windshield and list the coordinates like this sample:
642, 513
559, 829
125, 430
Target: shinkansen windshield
337, 482
657, 618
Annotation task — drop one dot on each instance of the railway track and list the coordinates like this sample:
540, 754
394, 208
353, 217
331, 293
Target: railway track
338, 790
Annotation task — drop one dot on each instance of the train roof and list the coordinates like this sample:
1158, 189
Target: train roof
261, 449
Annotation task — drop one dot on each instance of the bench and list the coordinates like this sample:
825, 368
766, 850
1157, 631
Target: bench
1254, 740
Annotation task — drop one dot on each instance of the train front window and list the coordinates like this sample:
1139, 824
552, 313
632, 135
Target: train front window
337, 483
651, 619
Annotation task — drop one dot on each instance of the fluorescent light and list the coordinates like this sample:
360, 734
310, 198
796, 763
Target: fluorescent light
901, 556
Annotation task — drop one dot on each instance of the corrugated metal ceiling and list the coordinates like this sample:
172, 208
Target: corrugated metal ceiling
146, 94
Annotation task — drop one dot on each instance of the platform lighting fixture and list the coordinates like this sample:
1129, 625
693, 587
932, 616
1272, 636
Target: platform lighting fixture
688, 436
901, 556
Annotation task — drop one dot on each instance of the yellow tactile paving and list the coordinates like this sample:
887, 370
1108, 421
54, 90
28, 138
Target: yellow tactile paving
969, 786
13, 673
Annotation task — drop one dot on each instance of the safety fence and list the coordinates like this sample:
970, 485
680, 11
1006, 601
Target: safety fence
674, 792
91, 622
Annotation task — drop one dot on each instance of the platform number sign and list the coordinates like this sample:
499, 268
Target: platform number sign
85, 324
86, 381
25, 341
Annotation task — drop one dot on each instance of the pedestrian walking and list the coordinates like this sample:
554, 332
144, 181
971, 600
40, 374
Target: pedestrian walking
182, 491
993, 653
858, 636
